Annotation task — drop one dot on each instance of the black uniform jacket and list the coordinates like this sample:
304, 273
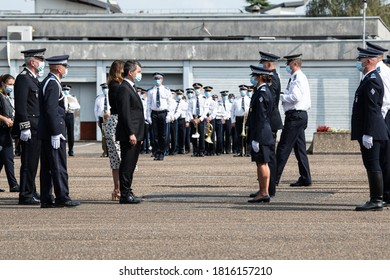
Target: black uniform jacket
130, 113
366, 112
276, 120
52, 108
261, 106
26, 103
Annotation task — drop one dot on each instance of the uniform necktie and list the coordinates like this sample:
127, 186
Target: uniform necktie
224, 106
158, 98
177, 106
288, 84
105, 103
243, 104
197, 106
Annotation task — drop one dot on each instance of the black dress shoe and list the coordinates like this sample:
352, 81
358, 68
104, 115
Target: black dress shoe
71, 153
30, 201
1, 190
254, 194
69, 203
37, 195
15, 188
263, 199
48, 205
300, 184
130, 199
370, 206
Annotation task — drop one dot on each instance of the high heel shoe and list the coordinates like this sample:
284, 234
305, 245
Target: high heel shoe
265, 199
115, 195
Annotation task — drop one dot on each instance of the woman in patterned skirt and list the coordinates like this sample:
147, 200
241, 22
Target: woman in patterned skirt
114, 80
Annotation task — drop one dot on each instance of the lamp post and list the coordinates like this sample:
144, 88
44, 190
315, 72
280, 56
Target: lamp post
364, 22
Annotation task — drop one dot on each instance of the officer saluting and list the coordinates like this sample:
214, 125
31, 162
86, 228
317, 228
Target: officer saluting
51, 131
26, 123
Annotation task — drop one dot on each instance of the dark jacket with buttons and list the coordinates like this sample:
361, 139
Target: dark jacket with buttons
52, 108
26, 103
367, 118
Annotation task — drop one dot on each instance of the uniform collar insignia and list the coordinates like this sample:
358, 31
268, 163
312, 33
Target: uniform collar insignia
378, 69
373, 76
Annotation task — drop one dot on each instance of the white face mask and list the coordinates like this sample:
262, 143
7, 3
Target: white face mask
138, 77
65, 73
41, 69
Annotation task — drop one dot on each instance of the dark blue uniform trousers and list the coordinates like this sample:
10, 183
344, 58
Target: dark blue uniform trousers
293, 136
54, 173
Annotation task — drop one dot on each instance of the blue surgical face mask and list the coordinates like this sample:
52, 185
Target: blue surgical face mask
157, 82
189, 95
359, 66
288, 69
66, 92
253, 80
243, 93
231, 100
197, 91
249, 94
105, 91
207, 94
224, 98
178, 97
138, 77
9, 89
65, 74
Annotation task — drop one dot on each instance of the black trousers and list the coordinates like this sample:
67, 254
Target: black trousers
29, 157
159, 131
54, 173
293, 136
227, 129
386, 165
129, 159
69, 122
146, 143
181, 134
173, 129
272, 166
219, 135
198, 143
241, 141
7, 156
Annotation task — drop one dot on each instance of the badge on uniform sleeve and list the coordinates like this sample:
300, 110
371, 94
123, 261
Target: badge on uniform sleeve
372, 91
261, 99
373, 76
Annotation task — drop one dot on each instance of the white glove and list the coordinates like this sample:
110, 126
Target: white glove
367, 141
255, 146
149, 120
25, 134
56, 140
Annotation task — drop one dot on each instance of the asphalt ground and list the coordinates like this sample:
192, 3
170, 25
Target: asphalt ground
196, 208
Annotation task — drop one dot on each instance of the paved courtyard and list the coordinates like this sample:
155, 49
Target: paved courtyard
196, 208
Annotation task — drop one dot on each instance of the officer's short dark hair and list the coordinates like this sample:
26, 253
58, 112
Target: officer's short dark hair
130, 65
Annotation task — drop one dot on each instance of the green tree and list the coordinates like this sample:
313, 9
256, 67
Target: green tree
262, 3
345, 8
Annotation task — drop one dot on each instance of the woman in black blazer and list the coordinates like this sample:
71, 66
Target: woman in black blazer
259, 129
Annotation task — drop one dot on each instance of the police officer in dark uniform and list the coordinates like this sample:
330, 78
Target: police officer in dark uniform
268, 61
52, 131
259, 130
369, 128
26, 123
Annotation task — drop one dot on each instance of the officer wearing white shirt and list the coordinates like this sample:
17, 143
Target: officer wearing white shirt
187, 138
159, 104
227, 126
296, 102
197, 113
102, 113
212, 107
384, 72
71, 105
240, 109
220, 117
177, 112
